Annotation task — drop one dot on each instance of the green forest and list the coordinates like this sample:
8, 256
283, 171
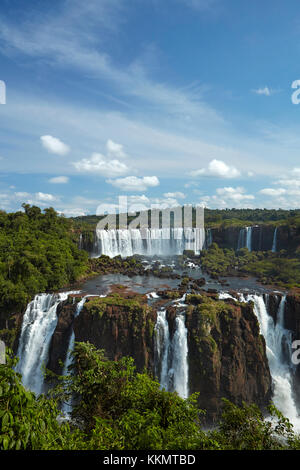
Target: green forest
117, 408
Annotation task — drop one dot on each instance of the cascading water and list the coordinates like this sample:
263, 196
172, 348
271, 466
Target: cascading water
162, 342
279, 353
149, 242
38, 326
209, 238
179, 364
67, 407
245, 238
172, 355
274, 244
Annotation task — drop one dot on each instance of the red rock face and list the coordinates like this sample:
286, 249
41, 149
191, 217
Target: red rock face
227, 358
120, 331
227, 355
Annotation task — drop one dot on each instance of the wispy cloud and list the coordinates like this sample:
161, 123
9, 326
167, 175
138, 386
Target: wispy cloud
68, 42
54, 145
266, 91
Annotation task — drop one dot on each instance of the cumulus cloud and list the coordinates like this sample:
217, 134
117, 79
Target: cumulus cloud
234, 193
59, 180
133, 183
54, 145
45, 197
101, 165
218, 169
75, 212
177, 194
229, 197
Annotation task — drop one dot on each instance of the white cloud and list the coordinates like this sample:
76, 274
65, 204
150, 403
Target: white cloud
101, 165
178, 195
273, 192
75, 212
59, 180
219, 169
22, 195
262, 91
54, 145
133, 183
114, 149
228, 197
266, 91
164, 203
235, 194
45, 197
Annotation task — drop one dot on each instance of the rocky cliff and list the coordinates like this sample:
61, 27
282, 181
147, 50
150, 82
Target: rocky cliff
227, 354
121, 325
262, 237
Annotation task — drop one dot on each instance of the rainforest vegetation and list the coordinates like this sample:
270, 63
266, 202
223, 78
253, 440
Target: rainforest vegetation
116, 408
37, 254
267, 267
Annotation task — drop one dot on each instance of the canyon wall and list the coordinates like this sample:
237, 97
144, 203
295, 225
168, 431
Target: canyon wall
226, 353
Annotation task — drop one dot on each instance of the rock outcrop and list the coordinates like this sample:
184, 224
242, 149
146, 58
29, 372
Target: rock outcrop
227, 355
121, 325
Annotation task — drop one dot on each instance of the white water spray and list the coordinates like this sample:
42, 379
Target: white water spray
172, 356
149, 242
276, 336
245, 238
274, 244
38, 326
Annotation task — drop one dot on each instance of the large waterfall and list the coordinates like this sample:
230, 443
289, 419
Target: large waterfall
38, 326
172, 355
149, 242
279, 354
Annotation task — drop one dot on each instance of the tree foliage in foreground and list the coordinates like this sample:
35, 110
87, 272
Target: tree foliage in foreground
118, 409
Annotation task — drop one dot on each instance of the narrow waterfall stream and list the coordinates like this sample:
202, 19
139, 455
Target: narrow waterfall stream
274, 244
172, 355
245, 238
67, 407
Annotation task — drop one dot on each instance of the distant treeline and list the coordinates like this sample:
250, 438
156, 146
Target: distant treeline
212, 217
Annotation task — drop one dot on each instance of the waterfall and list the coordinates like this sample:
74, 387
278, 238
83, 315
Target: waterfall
149, 242
162, 343
179, 364
172, 356
38, 326
245, 238
249, 238
80, 242
67, 407
279, 354
209, 238
274, 244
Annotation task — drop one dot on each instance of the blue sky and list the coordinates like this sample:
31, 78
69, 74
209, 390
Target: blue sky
167, 102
